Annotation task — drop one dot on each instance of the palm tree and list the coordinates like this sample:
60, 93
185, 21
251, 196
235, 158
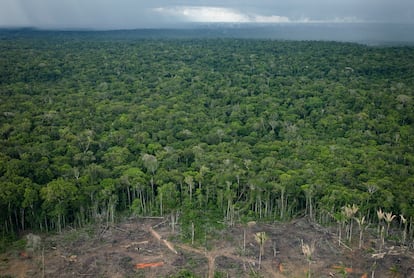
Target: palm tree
307, 252
361, 226
349, 213
380, 216
261, 238
388, 217
404, 221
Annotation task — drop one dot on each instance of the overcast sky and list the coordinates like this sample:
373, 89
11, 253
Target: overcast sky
131, 14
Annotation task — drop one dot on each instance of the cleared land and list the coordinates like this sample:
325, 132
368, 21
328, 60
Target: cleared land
134, 248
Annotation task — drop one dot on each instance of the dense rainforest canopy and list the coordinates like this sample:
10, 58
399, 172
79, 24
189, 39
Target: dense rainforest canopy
222, 129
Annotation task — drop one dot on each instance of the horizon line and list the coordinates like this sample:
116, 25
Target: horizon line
198, 25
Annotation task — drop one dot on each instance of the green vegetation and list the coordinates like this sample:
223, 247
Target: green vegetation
213, 129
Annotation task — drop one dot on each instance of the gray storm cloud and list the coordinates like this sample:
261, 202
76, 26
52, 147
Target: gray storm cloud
115, 14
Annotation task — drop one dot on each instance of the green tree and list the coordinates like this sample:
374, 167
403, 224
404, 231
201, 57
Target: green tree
151, 164
58, 197
109, 199
135, 182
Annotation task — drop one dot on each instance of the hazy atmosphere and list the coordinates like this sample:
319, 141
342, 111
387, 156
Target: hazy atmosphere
130, 14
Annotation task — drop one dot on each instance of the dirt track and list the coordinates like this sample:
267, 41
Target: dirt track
134, 249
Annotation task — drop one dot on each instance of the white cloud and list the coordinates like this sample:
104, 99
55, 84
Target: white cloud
213, 14
204, 14
271, 19
218, 14
332, 20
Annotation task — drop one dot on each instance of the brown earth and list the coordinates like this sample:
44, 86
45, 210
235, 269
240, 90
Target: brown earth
134, 249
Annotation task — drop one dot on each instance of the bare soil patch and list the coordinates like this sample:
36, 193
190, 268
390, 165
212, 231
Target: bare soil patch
134, 249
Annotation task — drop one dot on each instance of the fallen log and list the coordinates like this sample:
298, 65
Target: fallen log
135, 243
159, 224
122, 230
155, 234
164, 241
169, 246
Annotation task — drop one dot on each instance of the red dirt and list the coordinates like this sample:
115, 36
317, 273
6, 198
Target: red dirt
146, 265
